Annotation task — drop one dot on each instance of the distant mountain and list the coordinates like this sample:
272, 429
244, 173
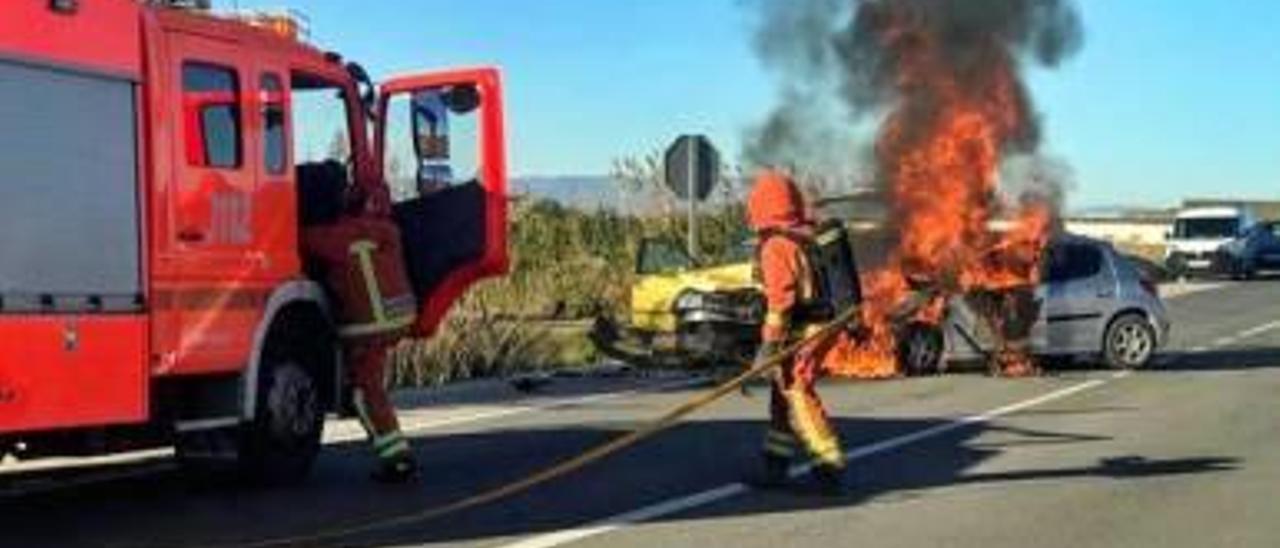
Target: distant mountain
592, 192
1119, 212
581, 191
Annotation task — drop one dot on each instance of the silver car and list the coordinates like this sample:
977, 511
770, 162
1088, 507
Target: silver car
1093, 303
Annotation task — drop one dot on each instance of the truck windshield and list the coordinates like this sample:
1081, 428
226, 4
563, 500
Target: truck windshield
320, 121
1213, 227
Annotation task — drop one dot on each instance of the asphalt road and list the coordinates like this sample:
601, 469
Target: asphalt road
1186, 454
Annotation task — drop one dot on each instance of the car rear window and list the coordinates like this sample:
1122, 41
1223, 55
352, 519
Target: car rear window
1066, 262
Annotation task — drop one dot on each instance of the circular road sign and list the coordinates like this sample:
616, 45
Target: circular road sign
692, 166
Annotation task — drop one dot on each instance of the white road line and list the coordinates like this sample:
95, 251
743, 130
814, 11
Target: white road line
551, 405
1229, 340
349, 430
1224, 341
717, 494
1250, 333
63, 464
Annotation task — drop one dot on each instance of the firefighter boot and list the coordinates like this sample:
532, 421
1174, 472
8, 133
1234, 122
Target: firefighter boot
832, 481
398, 468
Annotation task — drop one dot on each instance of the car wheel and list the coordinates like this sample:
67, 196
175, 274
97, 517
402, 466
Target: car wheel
697, 344
1247, 273
1176, 266
280, 444
1130, 342
1239, 270
920, 350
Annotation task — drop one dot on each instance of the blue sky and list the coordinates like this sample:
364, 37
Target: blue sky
1168, 98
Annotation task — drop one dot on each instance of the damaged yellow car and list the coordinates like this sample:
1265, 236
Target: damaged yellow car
706, 314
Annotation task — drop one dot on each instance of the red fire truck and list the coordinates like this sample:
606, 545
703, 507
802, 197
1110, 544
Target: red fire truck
154, 172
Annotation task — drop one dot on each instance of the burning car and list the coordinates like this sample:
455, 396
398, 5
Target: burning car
1091, 302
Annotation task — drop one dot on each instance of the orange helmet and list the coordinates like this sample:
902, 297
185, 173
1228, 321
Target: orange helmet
775, 201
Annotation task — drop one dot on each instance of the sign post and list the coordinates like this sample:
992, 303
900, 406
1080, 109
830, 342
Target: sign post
692, 167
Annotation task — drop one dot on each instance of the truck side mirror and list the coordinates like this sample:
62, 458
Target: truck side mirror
462, 99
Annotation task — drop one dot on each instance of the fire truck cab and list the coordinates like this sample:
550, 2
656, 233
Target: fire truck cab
155, 169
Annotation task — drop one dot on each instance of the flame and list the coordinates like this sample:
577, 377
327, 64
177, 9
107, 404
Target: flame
940, 150
872, 354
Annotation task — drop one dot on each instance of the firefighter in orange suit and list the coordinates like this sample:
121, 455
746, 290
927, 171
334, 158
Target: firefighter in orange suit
360, 256
798, 423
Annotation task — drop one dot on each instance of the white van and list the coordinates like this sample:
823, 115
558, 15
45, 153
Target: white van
1197, 234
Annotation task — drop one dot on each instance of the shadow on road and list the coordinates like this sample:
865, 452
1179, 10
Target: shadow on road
1220, 360
164, 510
1227, 359
1115, 468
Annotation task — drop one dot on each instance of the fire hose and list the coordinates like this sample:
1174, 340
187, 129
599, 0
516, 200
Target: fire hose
597, 453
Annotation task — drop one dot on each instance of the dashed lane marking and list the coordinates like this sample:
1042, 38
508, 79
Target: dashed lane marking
1254, 332
1225, 341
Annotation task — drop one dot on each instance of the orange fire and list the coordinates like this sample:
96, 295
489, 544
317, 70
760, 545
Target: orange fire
874, 355
940, 151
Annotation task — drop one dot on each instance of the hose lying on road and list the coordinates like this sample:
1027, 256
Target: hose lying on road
582, 460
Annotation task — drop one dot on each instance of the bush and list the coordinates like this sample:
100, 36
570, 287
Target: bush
471, 347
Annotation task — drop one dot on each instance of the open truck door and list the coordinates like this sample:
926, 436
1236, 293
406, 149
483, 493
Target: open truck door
440, 142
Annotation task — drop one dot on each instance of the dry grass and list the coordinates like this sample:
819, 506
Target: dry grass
469, 348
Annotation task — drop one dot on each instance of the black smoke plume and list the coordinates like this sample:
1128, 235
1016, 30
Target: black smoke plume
840, 64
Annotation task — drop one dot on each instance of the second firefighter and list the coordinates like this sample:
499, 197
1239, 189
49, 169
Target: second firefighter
799, 428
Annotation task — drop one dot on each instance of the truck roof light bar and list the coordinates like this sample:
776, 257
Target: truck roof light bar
288, 23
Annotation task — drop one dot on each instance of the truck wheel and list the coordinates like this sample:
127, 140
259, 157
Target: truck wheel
281, 443
1129, 342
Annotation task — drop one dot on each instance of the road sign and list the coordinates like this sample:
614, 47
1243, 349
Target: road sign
692, 166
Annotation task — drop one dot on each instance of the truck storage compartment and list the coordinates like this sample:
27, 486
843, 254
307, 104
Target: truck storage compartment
71, 371
69, 236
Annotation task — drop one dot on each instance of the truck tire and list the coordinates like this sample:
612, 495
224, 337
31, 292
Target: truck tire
295, 387
276, 448
280, 444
